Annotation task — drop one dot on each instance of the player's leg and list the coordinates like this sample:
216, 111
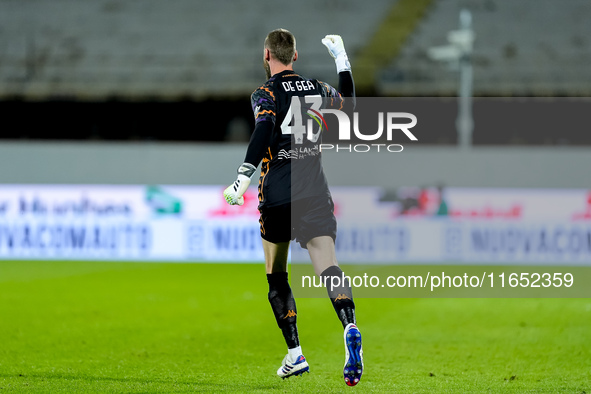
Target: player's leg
284, 307
323, 256
316, 229
280, 294
322, 253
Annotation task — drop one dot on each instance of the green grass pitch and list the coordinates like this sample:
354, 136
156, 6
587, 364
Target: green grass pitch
154, 327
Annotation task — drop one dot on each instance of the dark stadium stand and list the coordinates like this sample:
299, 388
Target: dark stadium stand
182, 70
522, 48
165, 50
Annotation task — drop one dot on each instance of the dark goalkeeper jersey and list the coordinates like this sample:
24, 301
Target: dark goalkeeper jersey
292, 167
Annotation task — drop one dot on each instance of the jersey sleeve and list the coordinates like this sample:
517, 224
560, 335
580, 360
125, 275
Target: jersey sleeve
334, 97
263, 105
328, 91
344, 96
259, 143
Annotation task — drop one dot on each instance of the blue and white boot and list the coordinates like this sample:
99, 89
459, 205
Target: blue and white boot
293, 367
353, 355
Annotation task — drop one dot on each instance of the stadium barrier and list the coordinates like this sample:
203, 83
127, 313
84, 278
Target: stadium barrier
193, 223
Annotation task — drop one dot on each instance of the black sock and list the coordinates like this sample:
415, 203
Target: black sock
341, 295
284, 307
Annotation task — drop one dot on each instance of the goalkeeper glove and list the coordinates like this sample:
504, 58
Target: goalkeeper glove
234, 193
336, 48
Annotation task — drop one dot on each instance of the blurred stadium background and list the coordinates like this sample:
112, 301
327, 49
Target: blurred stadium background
138, 95
84, 81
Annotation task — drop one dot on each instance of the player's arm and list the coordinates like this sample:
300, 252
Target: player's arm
346, 84
336, 48
259, 141
264, 108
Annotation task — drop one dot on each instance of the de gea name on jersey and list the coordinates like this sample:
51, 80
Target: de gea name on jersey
299, 86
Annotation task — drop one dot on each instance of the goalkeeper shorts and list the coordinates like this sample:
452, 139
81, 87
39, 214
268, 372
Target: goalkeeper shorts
299, 220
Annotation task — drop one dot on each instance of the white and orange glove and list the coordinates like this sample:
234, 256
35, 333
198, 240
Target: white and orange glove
336, 48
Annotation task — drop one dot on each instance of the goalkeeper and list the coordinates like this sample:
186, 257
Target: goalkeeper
294, 199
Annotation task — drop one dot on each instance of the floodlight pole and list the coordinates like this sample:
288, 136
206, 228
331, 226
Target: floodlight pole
464, 121
459, 53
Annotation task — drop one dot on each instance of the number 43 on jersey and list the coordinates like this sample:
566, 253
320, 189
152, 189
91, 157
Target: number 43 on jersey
294, 122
